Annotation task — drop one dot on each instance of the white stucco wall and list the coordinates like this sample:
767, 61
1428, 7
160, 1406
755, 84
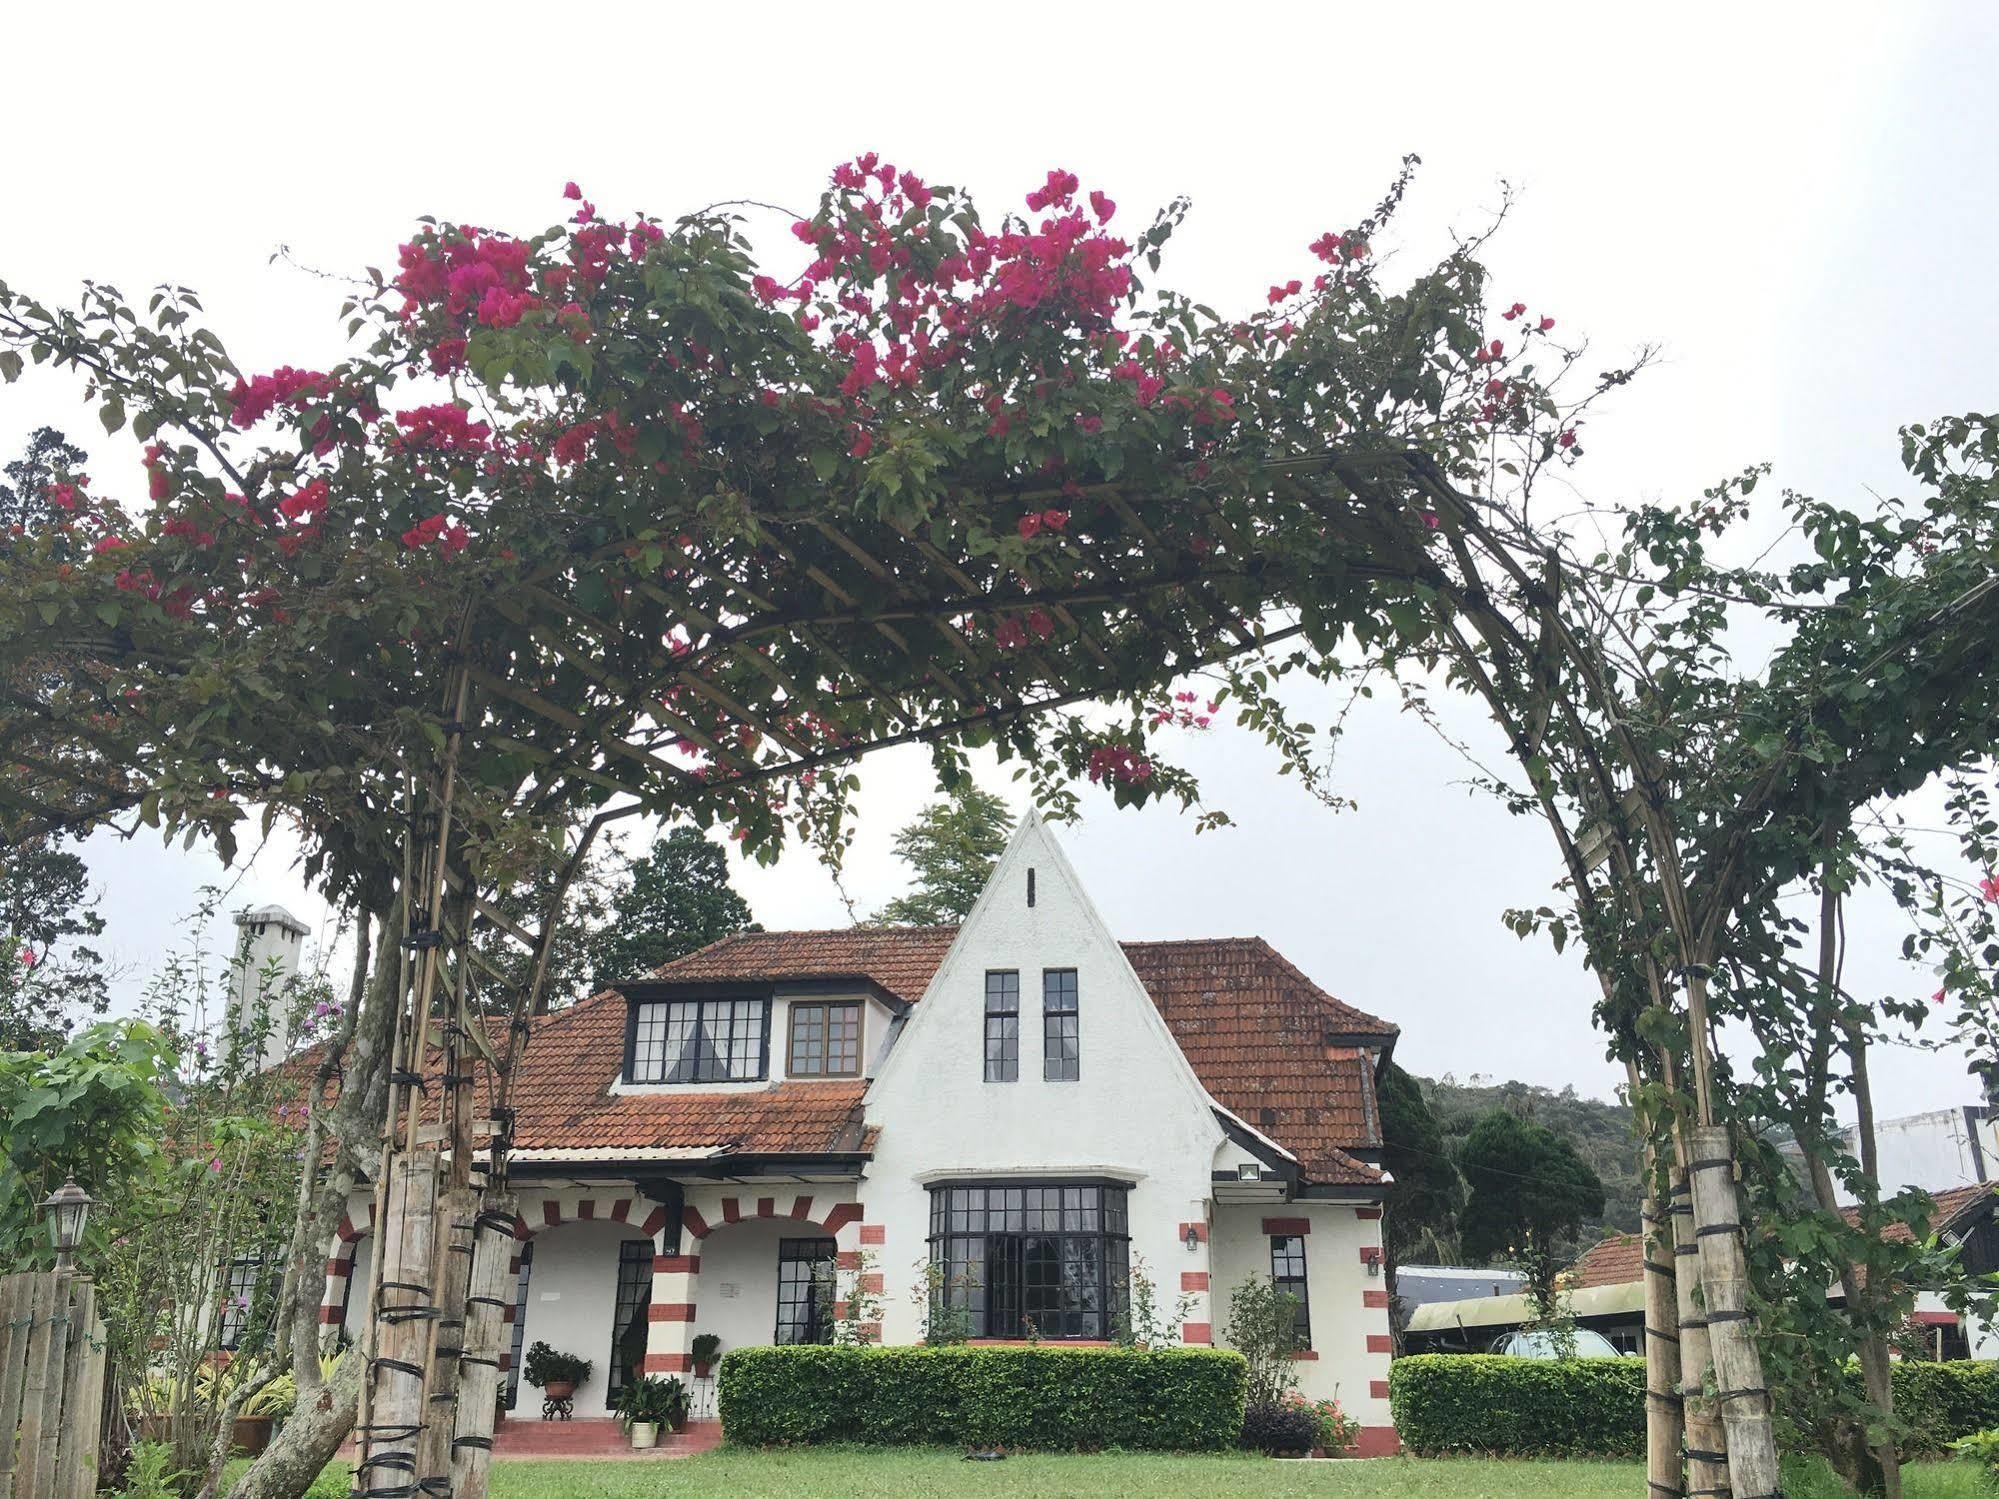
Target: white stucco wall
1338, 1290
360, 1284
1137, 1112
572, 1292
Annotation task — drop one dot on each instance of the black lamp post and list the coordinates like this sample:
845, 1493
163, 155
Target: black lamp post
67, 1209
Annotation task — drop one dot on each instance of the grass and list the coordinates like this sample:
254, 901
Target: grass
849, 1473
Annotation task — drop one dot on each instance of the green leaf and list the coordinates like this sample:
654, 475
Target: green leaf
112, 413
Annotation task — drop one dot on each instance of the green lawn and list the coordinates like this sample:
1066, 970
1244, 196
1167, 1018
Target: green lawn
902, 1474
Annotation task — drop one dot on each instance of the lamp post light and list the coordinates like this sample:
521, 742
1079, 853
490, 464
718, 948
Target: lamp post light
67, 1209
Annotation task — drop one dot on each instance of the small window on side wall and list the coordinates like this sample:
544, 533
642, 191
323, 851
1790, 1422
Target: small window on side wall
1287, 1274
825, 1040
1061, 1039
1002, 1026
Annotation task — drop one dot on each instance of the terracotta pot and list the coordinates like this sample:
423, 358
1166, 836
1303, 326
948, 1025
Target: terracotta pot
701, 1370
559, 1389
250, 1435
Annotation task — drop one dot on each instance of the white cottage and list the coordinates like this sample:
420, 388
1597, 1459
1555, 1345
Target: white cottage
1022, 1101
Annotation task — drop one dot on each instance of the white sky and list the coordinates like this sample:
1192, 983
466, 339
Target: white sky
1794, 202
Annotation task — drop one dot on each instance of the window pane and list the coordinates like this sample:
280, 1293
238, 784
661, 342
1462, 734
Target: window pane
806, 1277
520, 1322
628, 1316
1060, 1027
1287, 1274
1053, 1255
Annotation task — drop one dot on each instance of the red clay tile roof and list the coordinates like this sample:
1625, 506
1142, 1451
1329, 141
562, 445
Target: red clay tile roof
1620, 1259
1952, 1203
1615, 1261
1260, 1035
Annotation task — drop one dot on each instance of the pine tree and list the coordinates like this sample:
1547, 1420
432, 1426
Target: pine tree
678, 898
951, 847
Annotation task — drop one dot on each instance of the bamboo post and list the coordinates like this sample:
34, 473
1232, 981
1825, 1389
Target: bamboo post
30, 1481
1706, 1447
1664, 1419
403, 1311
452, 1274
16, 1312
486, 1308
55, 1383
83, 1395
1738, 1363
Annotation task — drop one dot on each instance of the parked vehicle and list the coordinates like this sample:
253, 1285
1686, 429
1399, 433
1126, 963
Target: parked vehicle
1588, 1344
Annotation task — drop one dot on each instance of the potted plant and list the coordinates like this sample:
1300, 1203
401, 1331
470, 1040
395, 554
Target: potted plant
647, 1403
258, 1414
555, 1374
706, 1346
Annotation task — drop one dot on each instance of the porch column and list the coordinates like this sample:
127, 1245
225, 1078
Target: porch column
858, 1249
676, 1277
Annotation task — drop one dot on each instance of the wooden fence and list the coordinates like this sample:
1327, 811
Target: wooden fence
51, 1386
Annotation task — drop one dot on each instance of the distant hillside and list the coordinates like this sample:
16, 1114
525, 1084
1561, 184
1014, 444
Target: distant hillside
1600, 1132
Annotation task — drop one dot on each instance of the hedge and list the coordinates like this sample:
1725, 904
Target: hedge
1941, 1402
1035, 1396
1519, 1407
1529, 1407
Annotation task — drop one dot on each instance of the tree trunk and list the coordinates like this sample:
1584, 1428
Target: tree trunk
1706, 1447
486, 1306
309, 1439
1738, 1363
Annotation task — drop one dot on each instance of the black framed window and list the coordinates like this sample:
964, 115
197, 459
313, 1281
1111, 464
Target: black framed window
1002, 1026
629, 1313
520, 1323
825, 1040
1060, 1050
700, 1041
807, 1271
247, 1291
1287, 1273
1054, 1257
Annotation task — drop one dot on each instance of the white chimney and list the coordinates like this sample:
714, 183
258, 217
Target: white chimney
269, 941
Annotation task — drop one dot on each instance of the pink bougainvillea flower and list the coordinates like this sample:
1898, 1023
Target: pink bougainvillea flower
1030, 527
1102, 206
1514, 311
29, 957
1546, 323
571, 191
1989, 888
1054, 520
108, 544
864, 443
1430, 522
1937, 998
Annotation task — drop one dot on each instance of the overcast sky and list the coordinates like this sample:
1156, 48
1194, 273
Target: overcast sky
1794, 203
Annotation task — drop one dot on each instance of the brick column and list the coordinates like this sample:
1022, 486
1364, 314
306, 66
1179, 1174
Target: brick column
1194, 1278
1377, 1439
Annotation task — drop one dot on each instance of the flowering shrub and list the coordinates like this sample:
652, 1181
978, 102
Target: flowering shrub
1052, 477
1334, 1431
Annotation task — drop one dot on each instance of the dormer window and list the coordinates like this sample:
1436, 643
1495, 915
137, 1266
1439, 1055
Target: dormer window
700, 1041
825, 1040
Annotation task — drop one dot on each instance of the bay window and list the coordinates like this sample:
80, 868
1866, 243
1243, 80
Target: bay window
1049, 1260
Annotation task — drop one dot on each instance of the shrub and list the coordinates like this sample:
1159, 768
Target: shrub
1519, 1407
1279, 1426
660, 1400
1940, 1403
1175, 1399
1332, 1428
